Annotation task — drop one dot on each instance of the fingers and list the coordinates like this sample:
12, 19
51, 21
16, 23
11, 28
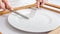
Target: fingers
43, 2
37, 4
2, 5
7, 5
40, 3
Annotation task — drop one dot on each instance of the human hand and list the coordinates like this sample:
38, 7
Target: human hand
40, 3
5, 5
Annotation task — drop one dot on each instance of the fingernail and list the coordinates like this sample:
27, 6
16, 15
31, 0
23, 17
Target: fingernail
1, 10
11, 9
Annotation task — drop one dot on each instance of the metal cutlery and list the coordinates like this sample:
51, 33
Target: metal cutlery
20, 14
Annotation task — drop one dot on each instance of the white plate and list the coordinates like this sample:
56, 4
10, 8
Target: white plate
42, 21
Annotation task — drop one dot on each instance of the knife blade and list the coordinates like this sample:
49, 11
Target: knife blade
20, 14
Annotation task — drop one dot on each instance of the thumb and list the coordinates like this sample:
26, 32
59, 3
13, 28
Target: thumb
2, 5
8, 7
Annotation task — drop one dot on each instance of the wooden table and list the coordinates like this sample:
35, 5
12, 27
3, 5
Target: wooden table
56, 31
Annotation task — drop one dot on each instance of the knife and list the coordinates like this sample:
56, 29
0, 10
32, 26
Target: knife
20, 14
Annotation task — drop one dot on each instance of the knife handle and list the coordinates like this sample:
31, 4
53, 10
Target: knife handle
20, 14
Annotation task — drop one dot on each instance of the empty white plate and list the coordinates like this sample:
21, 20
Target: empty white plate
42, 20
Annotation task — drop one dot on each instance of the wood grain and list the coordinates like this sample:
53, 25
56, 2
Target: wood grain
0, 32
55, 31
